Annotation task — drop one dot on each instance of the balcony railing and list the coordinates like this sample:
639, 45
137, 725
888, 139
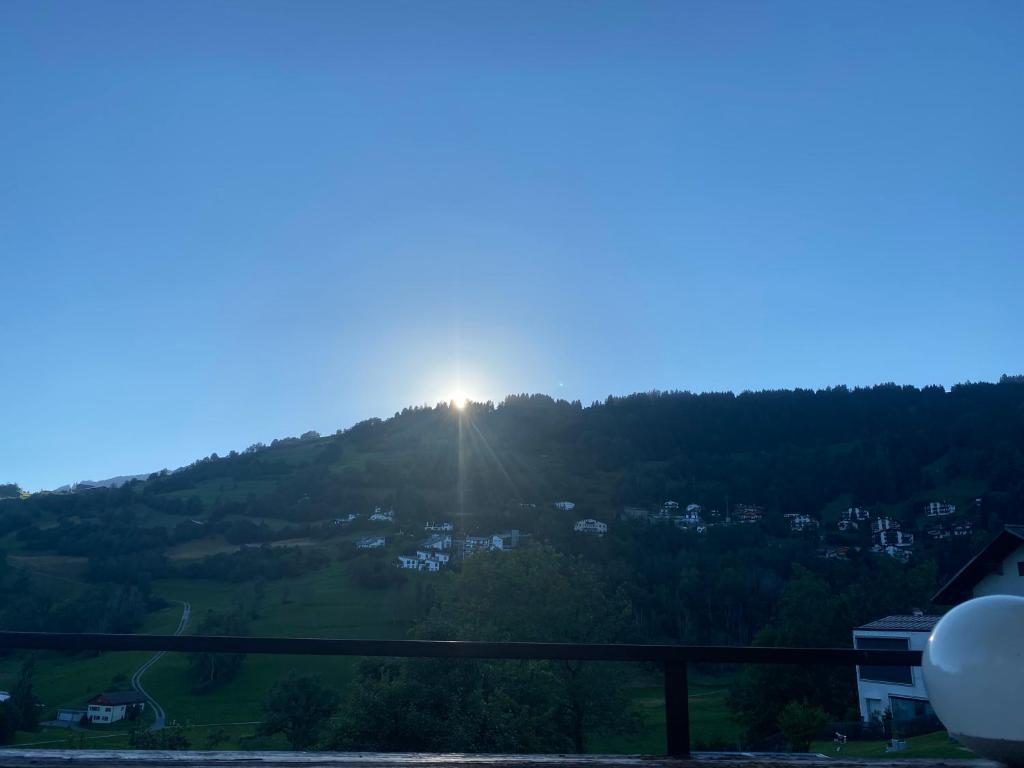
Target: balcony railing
673, 658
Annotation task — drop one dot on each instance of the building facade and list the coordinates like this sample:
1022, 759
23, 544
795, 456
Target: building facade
896, 692
589, 525
113, 706
997, 570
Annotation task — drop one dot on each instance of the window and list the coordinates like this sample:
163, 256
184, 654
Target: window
904, 709
1020, 568
901, 675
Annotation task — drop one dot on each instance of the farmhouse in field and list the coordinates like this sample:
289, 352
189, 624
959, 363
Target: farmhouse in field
589, 525
438, 527
371, 542
113, 706
565, 506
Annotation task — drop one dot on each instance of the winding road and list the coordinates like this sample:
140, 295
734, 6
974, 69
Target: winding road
160, 716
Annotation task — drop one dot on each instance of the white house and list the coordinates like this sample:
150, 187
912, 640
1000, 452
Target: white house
371, 542
688, 520
424, 560
747, 513
589, 525
437, 541
112, 706
893, 538
438, 527
939, 509
382, 517
694, 509
344, 520
884, 524
898, 690
798, 523
997, 570
565, 506
670, 507
505, 540
472, 544
856, 514
430, 556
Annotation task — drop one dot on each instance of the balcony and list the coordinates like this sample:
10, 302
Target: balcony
674, 661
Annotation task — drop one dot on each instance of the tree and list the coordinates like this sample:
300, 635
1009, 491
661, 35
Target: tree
800, 723
210, 670
298, 707
24, 700
807, 615
531, 594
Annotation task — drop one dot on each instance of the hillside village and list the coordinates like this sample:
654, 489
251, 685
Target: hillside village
856, 529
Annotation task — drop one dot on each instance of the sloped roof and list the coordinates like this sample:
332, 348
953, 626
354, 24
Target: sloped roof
116, 698
978, 567
903, 623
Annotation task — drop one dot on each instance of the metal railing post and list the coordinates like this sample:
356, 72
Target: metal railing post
677, 710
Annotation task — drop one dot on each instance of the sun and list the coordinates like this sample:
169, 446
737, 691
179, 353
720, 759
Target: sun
459, 399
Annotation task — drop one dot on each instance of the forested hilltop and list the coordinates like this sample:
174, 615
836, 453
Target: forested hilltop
275, 524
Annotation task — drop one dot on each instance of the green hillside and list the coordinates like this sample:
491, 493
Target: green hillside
253, 540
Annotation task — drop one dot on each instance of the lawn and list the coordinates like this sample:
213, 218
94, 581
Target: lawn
319, 604
711, 721
931, 746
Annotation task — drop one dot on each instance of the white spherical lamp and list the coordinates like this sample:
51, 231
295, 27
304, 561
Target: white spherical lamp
974, 671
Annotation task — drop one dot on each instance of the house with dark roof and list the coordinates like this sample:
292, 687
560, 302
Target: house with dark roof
997, 570
112, 706
898, 692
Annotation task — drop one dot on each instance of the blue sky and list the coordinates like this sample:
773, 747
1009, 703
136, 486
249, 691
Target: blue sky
223, 222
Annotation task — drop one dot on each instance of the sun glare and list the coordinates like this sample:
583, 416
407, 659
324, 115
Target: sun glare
458, 399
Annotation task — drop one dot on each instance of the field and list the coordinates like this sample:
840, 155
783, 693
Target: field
320, 604
323, 603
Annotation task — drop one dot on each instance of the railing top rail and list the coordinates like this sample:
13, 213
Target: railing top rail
457, 649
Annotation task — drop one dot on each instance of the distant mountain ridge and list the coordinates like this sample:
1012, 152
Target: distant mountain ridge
110, 482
